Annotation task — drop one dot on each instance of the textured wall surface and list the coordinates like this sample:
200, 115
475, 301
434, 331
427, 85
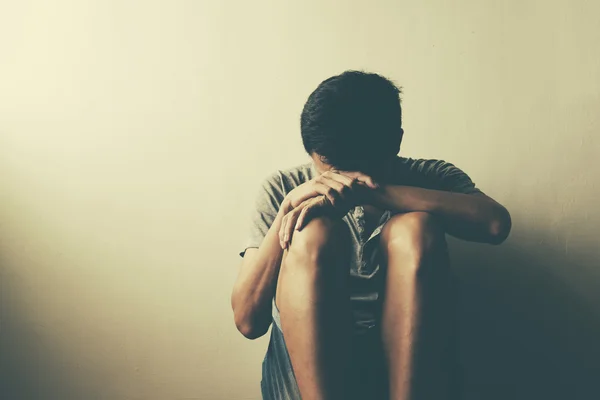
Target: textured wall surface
133, 135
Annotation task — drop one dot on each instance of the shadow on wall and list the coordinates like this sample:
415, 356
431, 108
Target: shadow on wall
31, 366
38, 359
530, 320
529, 313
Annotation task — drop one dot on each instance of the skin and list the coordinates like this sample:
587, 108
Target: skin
415, 322
417, 310
472, 217
313, 300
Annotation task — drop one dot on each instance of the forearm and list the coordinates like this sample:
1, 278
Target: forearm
470, 217
255, 285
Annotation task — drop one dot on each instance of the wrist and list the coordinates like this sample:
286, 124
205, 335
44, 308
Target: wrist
286, 206
369, 196
377, 197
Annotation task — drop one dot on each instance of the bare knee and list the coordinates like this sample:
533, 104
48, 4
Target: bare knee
418, 236
323, 237
317, 257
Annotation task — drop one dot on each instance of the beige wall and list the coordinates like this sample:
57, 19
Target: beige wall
133, 135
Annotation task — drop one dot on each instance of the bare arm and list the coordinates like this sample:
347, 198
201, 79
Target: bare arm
254, 288
473, 217
255, 285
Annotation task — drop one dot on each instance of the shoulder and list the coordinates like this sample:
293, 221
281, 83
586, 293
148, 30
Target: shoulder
425, 166
298, 174
433, 174
284, 180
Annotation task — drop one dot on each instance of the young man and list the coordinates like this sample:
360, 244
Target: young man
347, 255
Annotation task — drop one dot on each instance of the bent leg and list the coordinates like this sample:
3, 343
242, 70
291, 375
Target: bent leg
313, 300
417, 319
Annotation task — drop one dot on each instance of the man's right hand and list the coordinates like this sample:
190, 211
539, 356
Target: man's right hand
291, 221
332, 192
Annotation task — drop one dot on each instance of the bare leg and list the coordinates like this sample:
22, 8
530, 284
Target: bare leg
313, 300
418, 308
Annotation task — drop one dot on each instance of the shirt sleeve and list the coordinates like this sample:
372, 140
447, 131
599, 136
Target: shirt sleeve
267, 201
442, 175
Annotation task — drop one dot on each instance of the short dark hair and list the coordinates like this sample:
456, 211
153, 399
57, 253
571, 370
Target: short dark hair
353, 120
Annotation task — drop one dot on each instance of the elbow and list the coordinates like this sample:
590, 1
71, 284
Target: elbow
500, 226
248, 329
249, 332
245, 323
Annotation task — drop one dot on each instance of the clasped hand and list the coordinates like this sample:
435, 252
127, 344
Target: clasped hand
332, 192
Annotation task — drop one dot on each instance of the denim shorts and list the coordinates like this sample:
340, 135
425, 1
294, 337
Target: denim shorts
369, 375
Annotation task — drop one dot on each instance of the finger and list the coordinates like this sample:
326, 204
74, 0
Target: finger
340, 177
348, 183
301, 218
313, 208
326, 190
282, 230
340, 188
304, 217
290, 225
306, 192
362, 178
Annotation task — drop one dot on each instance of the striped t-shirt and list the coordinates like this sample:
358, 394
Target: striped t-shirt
365, 285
